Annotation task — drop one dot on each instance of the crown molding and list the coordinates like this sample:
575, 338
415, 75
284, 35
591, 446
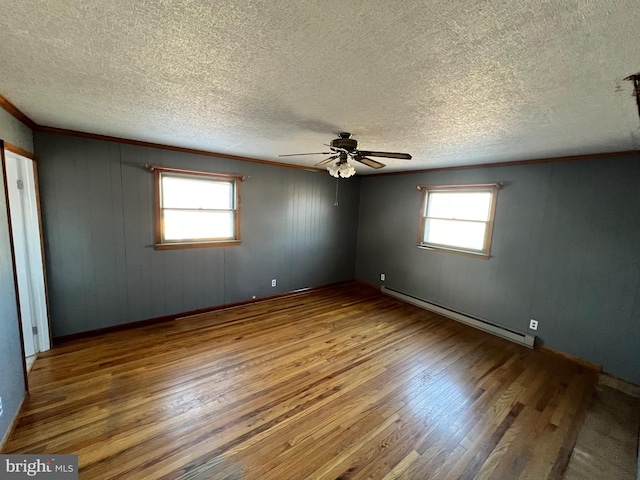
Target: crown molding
570, 158
13, 110
17, 113
208, 153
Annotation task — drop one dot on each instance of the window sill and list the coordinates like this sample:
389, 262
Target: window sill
480, 255
179, 245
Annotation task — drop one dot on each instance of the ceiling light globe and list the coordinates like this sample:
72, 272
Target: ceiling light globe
346, 170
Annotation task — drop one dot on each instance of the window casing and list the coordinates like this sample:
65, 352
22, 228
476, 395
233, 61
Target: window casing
457, 218
196, 209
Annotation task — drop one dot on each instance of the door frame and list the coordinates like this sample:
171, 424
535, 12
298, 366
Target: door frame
3, 167
30, 157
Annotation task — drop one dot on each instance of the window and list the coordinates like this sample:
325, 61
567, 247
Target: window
457, 218
196, 209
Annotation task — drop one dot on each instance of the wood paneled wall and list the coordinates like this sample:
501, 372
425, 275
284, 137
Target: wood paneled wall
566, 252
102, 268
14, 131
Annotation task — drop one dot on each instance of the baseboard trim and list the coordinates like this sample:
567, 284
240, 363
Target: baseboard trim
571, 358
13, 424
169, 318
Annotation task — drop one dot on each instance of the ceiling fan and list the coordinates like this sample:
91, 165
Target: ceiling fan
346, 147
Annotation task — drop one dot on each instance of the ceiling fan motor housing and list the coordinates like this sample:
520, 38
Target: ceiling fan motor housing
344, 142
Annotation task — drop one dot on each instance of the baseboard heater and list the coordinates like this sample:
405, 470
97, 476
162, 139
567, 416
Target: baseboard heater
517, 337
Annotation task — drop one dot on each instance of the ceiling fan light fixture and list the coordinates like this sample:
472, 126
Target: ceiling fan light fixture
345, 170
345, 148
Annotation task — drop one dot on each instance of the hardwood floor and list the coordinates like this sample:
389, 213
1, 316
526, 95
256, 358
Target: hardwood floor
342, 383
607, 445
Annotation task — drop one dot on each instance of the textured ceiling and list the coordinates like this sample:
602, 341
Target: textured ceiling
453, 83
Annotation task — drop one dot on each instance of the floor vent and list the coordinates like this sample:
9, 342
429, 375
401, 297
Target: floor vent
517, 337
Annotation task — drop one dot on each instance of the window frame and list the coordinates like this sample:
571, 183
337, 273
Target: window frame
234, 180
425, 190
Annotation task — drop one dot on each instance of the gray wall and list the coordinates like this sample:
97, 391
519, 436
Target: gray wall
566, 251
12, 387
15, 132
566, 247
102, 270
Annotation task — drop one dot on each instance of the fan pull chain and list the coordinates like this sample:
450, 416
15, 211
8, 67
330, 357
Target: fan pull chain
335, 204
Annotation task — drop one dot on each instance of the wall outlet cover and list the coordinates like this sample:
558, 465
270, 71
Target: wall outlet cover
533, 324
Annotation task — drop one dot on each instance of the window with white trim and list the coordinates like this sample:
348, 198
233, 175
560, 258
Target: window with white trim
457, 218
196, 209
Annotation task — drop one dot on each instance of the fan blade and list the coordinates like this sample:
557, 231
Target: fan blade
299, 154
368, 161
401, 156
327, 160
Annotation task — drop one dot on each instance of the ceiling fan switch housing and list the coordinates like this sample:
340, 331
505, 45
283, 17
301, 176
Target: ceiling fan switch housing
345, 142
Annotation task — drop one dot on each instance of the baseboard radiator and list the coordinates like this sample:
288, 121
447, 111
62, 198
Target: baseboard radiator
517, 337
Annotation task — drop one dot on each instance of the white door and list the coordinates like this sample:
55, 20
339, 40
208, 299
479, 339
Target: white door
28, 251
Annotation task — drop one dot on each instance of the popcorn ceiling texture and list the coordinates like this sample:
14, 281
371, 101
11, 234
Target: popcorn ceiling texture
452, 83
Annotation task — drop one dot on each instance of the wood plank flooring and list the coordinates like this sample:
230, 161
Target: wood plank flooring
607, 445
341, 383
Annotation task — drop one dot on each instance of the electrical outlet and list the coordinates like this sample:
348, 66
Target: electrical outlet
382, 276
1, 406
533, 324
273, 282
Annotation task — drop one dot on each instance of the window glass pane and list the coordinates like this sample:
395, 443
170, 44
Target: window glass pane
454, 233
459, 205
183, 192
186, 225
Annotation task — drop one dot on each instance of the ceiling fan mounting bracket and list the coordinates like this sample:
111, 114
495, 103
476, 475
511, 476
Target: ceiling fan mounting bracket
345, 142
